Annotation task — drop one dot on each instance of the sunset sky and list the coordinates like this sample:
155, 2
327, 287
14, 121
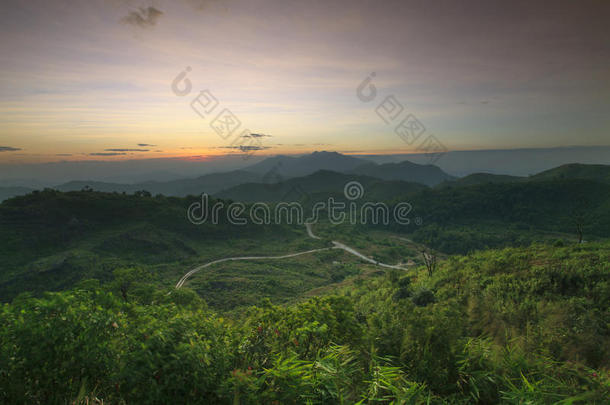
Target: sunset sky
92, 79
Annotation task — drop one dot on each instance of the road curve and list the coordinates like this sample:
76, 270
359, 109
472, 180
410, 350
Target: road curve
336, 245
339, 245
310, 232
203, 266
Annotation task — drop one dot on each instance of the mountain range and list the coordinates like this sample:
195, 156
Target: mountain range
273, 178
269, 171
209, 183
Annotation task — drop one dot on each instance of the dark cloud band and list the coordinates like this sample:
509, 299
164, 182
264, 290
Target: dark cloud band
8, 149
143, 18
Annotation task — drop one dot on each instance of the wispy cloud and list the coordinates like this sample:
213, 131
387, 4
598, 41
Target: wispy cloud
255, 136
107, 154
8, 149
146, 144
200, 4
126, 150
143, 17
246, 148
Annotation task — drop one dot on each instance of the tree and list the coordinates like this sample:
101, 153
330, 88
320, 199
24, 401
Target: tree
578, 218
142, 193
126, 278
429, 260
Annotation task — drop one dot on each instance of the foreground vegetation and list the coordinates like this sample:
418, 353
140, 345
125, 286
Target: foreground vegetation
519, 325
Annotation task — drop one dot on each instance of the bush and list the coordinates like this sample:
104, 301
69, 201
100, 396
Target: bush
422, 297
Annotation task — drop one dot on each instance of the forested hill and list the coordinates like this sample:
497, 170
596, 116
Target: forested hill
600, 173
462, 219
51, 240
319, 184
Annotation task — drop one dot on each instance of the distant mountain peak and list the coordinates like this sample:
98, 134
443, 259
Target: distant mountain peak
325, 152
429, 175
288, 166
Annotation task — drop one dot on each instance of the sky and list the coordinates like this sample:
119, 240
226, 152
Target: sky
101, 79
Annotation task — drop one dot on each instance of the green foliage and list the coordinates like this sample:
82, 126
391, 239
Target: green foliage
422, 297
54, 347
518, 325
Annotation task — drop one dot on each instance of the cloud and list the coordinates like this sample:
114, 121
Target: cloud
143, 18
106, 154
127, 150
146, 144
201, 4
255, 135
246, 148
63, 154
8, 149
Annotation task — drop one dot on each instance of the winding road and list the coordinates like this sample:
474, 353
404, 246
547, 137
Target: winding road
336, 245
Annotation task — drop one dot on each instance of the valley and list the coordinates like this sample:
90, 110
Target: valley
493, 284
271, 202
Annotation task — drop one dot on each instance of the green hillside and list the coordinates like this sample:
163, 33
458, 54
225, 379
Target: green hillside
526, 324
461, 219
599, 173
316, 185
509, 326
481, 178
51, 240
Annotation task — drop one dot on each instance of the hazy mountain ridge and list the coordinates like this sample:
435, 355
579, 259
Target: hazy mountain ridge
429, 175
271, 170
320, 183
9, 192
132, 171
514, 162
209, 183
288, 166
282, 168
